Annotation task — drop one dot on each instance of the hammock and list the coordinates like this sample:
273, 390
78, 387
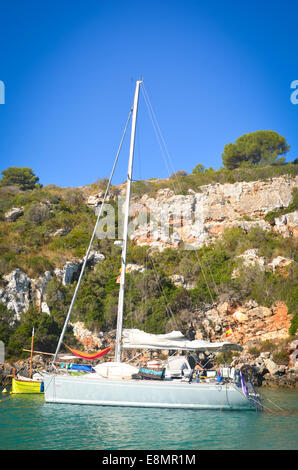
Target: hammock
89, 356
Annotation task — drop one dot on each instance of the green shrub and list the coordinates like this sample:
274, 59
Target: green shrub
37, 213
46, 333
281, 357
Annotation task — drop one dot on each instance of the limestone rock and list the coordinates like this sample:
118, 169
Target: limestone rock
69, 273
93, 201
260, 312
240, 316
88, 339
179, 281
38, 288
250, 257
135, 267
61, 232
200, 217
280, 263
16, 294
95, 257
14, 213
71, 269
287, 224
45, 308
272, 367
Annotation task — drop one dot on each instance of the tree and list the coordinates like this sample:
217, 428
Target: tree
199, 169
6, 322
46, 329
178, 173
22, 177
255, 148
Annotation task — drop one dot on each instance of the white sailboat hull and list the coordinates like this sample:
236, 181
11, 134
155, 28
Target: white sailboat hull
143, 393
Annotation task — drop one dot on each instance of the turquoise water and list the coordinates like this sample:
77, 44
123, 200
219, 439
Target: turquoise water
27, 422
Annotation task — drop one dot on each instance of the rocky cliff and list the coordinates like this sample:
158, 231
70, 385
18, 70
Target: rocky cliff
173, 220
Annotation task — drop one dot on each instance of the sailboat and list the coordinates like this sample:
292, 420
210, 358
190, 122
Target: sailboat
119, 383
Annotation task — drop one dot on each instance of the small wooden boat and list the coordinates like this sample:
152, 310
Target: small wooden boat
28, 384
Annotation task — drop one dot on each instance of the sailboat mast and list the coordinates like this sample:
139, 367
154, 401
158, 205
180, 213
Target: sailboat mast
125, 228
32, 342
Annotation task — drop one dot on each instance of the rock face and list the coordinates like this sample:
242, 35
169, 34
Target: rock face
69, 273
71, 270
192, 220
87, 338
201, 217
250, 324
16, 294
287, 225
19, 290
251, 257
38, 288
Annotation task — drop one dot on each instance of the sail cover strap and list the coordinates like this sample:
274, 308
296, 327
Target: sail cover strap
89, 356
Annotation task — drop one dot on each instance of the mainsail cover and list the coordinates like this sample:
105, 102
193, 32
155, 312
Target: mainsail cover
137, 339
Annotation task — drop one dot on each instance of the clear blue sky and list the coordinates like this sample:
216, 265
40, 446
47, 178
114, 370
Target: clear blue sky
213, 71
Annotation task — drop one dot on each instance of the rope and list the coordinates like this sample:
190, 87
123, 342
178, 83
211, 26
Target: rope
155, 127
274, 404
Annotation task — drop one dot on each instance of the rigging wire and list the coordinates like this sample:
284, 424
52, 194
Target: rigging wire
166, 155
158, 130
91, 240
167, 305
155, 127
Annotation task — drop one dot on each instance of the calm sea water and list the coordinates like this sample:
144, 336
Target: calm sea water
27, 422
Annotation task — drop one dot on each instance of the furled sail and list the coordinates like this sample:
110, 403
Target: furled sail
137, 339
89, 356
